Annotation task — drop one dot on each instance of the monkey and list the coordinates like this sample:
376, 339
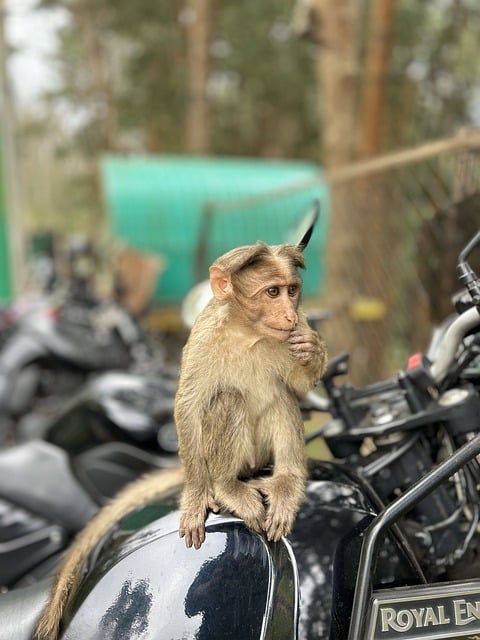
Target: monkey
153, 486
249, 355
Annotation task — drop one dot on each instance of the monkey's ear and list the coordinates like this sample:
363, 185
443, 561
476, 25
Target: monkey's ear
221, 283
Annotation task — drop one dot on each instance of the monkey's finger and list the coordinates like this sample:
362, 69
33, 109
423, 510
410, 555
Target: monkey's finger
261, 485
306, 343
276, 527
184, 532
303, 355
198, 537
301, 336
194, 537
300, 349
213, 506
274, 530
295, 338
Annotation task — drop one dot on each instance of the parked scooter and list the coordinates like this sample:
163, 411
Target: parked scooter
375, 547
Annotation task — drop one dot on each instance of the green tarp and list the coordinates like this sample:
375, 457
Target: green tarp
191, 210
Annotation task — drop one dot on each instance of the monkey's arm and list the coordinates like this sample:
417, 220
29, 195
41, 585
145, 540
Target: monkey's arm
197, 496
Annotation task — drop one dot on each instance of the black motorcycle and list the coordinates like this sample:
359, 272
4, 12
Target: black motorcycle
116, 428
55, 348
384, 546
49, 492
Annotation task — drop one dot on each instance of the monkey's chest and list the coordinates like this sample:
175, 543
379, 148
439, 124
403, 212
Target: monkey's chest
262, 385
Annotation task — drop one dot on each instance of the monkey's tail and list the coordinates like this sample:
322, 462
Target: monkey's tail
152, 486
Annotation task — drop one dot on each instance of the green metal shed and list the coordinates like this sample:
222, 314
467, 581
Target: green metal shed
190, 210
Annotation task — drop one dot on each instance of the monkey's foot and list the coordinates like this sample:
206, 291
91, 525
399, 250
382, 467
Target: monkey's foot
279, 522
283, 502
193, 513
246, 503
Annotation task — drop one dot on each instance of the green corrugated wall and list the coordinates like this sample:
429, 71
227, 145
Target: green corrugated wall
157, 204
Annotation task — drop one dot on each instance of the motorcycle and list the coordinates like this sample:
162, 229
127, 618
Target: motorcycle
382, 548
48, 494
116, 428
111, 407
56, 347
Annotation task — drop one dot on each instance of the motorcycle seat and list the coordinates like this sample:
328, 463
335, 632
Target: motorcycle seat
37, 476
20, 609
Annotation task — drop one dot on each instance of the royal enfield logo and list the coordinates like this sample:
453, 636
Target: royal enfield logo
432, 612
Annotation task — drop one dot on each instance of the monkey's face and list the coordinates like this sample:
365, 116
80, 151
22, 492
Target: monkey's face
262, 287
270, 302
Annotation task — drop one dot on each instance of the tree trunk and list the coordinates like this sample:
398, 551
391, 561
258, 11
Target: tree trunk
199, 37
375, 213
100, 90
336, 69
377, 63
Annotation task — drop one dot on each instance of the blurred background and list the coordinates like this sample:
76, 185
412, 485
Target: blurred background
148, 138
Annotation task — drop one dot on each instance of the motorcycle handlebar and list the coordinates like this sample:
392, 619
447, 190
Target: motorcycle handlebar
451, 340
467, 275
442, 361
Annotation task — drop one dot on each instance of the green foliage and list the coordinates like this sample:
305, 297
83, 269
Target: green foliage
434, 77
268, 105
124, 79
262, 88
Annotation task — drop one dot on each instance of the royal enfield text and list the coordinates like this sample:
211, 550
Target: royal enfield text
460, 613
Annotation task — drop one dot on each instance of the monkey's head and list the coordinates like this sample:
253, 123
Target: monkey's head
262, 287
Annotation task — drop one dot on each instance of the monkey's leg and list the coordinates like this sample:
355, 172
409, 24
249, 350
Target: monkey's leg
285, 488
284, 493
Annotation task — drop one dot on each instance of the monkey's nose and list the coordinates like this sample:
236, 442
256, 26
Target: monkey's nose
292, 319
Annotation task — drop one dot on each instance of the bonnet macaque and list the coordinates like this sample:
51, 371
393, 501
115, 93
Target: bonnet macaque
249, 354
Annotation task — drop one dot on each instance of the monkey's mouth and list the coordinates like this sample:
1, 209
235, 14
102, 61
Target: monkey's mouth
282, 334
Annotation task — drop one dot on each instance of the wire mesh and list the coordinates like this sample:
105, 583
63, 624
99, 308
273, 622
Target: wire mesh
405, 228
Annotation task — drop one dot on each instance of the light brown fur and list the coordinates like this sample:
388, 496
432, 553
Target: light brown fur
249, 354
154, 486
236, 411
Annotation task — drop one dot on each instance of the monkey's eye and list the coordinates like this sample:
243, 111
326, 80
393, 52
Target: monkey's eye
273, 292
293, 290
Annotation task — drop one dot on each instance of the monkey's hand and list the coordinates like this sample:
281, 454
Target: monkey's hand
307, 347
192, 519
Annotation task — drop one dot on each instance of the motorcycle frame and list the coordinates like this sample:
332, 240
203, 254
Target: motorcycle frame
389, 517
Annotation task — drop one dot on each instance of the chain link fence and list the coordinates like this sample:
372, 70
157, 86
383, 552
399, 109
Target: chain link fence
391, 275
